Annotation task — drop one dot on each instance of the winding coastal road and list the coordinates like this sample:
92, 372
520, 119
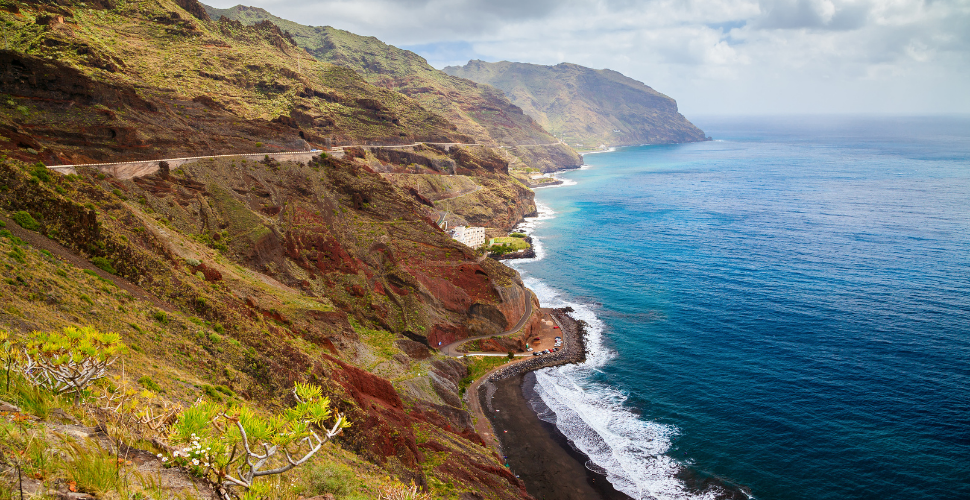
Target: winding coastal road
451, 349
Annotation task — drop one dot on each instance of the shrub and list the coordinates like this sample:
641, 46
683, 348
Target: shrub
159, 316
150, 384
18, 255
234, 447
402, 492
71, 359
103, 264
259, 144
40, 172
24, 220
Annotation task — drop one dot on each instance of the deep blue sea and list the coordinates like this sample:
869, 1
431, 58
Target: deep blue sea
786, 308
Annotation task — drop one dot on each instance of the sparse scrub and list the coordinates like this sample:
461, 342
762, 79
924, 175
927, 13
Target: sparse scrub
401, 492
321, 479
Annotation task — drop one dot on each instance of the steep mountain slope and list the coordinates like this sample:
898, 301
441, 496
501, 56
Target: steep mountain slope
479, 111
254, 276
584, 106
153, 79
246, 275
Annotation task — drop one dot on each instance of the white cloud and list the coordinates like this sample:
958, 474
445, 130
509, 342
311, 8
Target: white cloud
713, 56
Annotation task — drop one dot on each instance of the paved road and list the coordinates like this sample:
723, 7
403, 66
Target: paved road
451, 350
331, 151
483, 426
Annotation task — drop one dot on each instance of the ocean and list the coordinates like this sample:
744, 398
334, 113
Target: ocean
784, 310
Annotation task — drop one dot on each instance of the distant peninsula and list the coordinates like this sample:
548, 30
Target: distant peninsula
586, 107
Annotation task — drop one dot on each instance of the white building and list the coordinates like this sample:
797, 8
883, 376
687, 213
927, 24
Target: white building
471, 236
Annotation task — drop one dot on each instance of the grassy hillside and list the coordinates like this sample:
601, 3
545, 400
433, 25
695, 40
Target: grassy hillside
479, 111
137, 80
252, 276
233, 279
586, 107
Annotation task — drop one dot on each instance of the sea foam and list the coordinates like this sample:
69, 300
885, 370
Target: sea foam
629, 451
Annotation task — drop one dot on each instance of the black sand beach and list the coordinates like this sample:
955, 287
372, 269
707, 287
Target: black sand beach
537, 452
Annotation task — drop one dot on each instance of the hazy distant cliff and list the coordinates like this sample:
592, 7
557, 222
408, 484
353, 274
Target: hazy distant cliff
586, 106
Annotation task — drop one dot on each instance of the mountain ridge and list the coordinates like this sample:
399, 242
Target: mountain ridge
586, 107
479, 111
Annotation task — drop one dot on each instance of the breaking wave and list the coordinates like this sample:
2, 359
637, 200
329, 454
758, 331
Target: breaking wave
628, 450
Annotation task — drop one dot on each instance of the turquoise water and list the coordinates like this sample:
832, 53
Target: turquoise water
786, 309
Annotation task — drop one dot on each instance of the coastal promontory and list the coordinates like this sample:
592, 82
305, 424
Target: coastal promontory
586, 107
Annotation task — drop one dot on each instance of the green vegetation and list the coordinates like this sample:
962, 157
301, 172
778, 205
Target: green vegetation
147, 382
219, 441
70, 360
504, 245
26, 221
478, 366
104, 264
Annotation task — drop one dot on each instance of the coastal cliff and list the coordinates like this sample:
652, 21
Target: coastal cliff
584, 107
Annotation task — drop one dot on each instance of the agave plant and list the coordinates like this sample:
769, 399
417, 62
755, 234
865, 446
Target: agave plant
235, 446
71, 359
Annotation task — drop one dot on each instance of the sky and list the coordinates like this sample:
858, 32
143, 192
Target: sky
754, 57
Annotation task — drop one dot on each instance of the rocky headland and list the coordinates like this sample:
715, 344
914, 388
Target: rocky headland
584, 107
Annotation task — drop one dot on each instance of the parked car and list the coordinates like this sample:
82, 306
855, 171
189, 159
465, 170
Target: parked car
529, 349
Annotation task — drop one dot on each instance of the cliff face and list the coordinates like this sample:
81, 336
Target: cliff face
479, 111
586, 107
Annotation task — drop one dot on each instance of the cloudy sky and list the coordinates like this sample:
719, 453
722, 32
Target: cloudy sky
713, 56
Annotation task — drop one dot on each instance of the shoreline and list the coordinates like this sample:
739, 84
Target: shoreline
535, 450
